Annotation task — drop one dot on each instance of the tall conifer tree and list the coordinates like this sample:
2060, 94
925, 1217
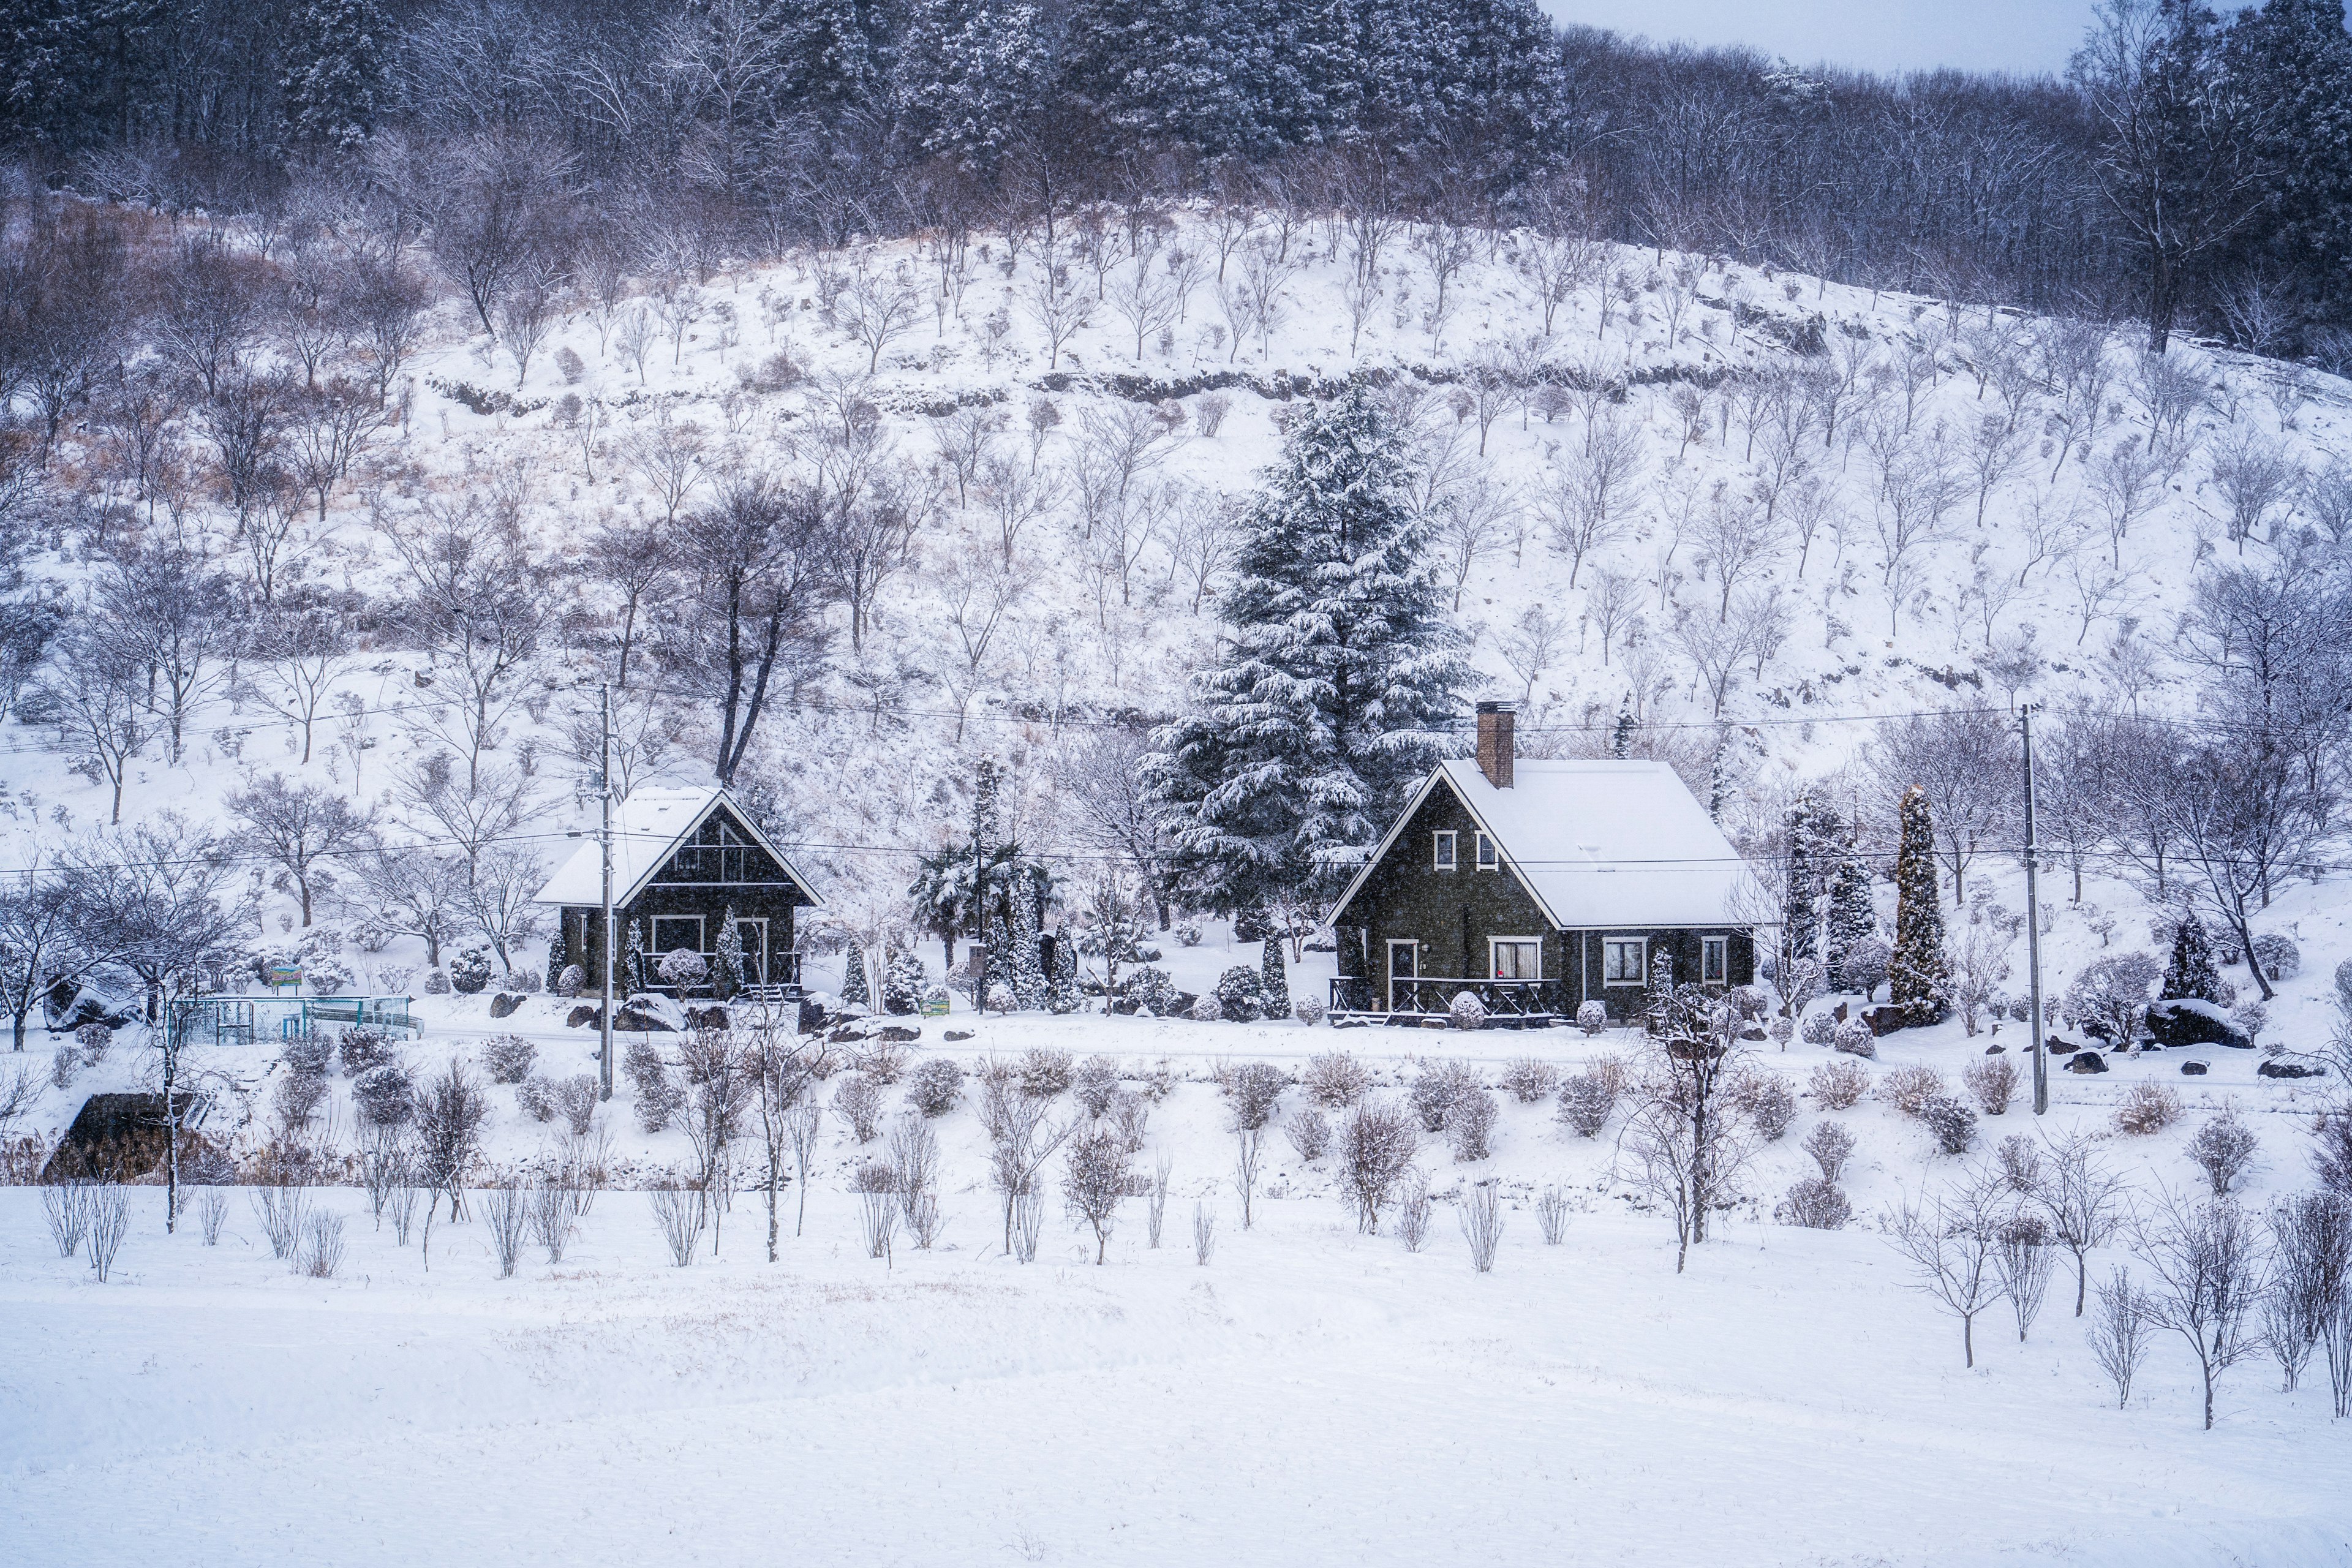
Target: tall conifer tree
1920, 974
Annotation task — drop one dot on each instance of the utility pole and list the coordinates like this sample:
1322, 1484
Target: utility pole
2033, 922
605, 837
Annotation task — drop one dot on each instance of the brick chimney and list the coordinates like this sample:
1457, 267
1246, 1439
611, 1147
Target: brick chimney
1497, 748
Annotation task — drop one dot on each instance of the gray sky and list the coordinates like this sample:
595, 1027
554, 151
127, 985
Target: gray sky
2032, 36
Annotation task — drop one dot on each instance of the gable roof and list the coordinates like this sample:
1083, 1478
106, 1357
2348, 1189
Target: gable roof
1597, 844
647, 828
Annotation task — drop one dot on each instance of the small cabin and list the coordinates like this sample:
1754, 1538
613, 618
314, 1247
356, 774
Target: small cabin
684, 860
1539, 886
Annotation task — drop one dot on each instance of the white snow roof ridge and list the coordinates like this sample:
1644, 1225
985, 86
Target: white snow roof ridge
647, 827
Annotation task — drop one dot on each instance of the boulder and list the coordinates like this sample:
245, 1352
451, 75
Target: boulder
2058, 1047
2087, 1061
1996, 1050
812, 1017
2281, 1068
956, 1036
2194, 1069
710, 1017
899, 1033
582, 1013
506, 1003
1754, 1036
637, 1020
2185, 1021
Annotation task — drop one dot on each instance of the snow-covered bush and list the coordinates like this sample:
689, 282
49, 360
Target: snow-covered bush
569, 983
2250, 1016
1466, 1012
857, 1100
1586, 1102
65, 1063
2278, 957
2021, 1164
1094, 1084
1188, 935
1768, 1101
1864, 970
1310, 1010
1209, 412
308, 1056
1854, 1037
576, 1101
1254, 1089
526, 980
469, 972
1044, 1073
1001, 998
1310, 1131
1781, 1030
535, 1096
934, 1088
2148, 1109
1205, 1010
2224, 1149
1830, 1145
508, 1058
1819, 1028
882, 1060
436, 982
1953, 1124
371, 936
363, 1048
1837, 1085
903, 981
1147, 990
1528, 1080
383, 1095
1753, 1002
1435, 1088
2109, 998
1241, 994
682, 967
327, 975
1992, 1080
1470, 1125
659, 1095
1909, 1089
1815, 1204
1591, 1017
1334, 1079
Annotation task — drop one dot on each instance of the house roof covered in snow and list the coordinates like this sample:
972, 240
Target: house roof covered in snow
1597, 844
647, 828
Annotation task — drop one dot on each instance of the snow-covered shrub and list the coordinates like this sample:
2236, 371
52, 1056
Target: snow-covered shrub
371, 936
392, 979
1188, 935
659, 1094
508, 1058
1094, 1084
1864, 970
1147, 990
2344, 987
1909, 1090
1819, 1028
1240, 994
1470, 1125
2276, 954
1205, 1010
576, 1101
1753, 1002
436, 982
1435, 1088
1375, 1146
904, 980
1001, 998
857, 1100
1768, 1101
1815, 1204
1954, 1124
363, 1048
1830, 1146
1044, 1073
1254, 1089
2250, 1016
1992, 1080
469, 972
2224, 1149
64, 1063
535, 1096
1209, 412
1310, 1131
327, 975
2021, 1164
2147, 1108
1837, 1085
1586, 1102
1854, 1037
308, 1057
1311, 1010
1591, 1017
1466, 1012
1781, 1030
1334, 1079
568, 984
884, 1061
1156, 1082
526, 980
297, 1098
682, 967
934, 1088
1528, 1080
2109, 998
383, 1095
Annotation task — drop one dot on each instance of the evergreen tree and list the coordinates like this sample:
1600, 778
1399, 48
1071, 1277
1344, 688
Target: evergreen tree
633, 969
1341, 678
1853, 917
1620, 740
727, 963
559, 957
2295, 58
333, 85
1027, 963
1919, 974
972, 76
1805, 860
1062, 982
1658, 993
996, 877
830, 56
854, 990
2191, 976
1275, 973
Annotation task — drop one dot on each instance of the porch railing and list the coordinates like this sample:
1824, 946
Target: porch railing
1434, 995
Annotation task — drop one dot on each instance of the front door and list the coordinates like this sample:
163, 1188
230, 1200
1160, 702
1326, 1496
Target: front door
1404, 963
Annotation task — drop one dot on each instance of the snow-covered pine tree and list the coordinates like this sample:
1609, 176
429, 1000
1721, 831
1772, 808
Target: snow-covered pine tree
1027, 964
726, 963
1062, 981
1276, 973
1620, 738
1718, 776
1919, 974
559, 957
1340, 679
1658, 993
1800, 897
989, 899
828, 54
855, 991
903, 981
2191, 976
1851, 916
972, 76
334, 81
633, 974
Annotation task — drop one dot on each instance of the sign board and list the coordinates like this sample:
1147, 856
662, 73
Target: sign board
936, 1009
283, 974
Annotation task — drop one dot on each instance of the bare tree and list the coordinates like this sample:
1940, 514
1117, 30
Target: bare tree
2118, 1332
1590, 493
297, 828
93, 697
40, 941
1951, 1240
2207, 1259
1966, 758
1375, 1146
1685, 1132
1094, 1179
878, 309
1056, 304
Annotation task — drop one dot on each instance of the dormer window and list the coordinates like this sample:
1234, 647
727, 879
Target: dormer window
1488, 857
1442, 857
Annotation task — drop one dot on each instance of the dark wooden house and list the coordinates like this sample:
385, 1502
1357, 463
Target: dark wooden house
1539, 886
683, 860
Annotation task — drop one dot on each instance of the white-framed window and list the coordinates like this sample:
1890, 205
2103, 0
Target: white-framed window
1714, 959
670, 932
1441, 855
1624, 959
1515, 957
1487, 858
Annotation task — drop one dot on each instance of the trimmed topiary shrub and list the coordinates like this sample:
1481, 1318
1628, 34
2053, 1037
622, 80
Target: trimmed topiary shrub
1241, 994
1815, 1205
1586, 1102
1591, 1017
934, 1088
508, 1058
469, 972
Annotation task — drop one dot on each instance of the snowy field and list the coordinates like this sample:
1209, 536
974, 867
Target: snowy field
1310, 1395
